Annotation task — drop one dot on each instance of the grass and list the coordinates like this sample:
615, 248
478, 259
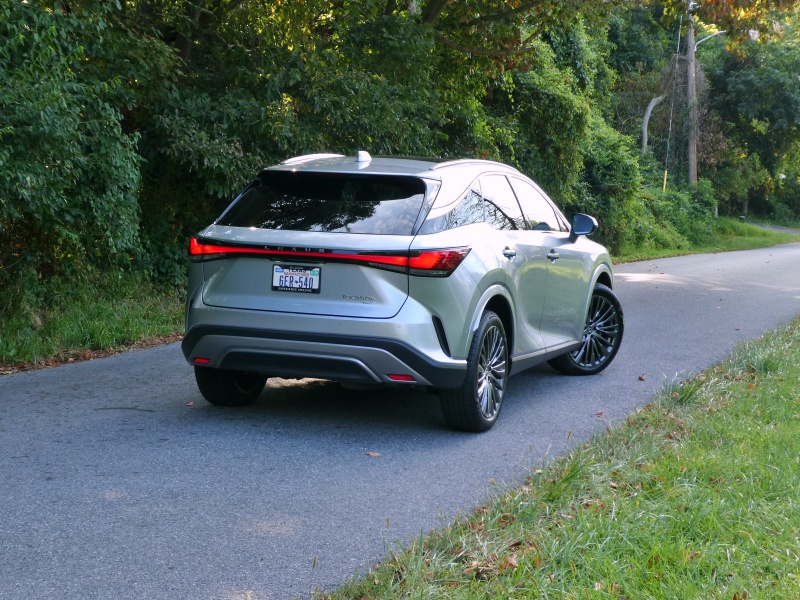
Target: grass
728, 235
697, 495
78, 319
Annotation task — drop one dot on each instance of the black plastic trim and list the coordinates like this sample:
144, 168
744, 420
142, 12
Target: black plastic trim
281, 365
440, 333
441, 376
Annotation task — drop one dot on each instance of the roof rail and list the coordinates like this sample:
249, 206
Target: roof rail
308, 157
467, 161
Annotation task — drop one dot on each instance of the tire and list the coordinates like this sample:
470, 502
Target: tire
476, 405
229, 388
602, 336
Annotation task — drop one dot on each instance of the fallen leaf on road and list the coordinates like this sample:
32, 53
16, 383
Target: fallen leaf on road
642, 377
599, 413
373, 453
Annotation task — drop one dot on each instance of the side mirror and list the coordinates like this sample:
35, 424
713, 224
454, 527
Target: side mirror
582, 225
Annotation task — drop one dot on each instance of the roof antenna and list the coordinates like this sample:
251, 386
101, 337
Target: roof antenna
363, 157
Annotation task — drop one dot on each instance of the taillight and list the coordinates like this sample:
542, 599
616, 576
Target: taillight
205, 250
198, 249
436, 263
427, 263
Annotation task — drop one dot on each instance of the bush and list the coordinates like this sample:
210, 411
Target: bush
609, 184
69, 170
782, 213
675, 220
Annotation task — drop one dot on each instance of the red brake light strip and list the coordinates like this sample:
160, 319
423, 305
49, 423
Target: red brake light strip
423, 260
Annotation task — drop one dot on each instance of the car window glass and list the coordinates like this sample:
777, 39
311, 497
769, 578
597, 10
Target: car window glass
539, 213
502, 210
299, 201
468, 210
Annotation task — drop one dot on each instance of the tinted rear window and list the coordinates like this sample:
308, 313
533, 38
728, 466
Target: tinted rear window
295, 201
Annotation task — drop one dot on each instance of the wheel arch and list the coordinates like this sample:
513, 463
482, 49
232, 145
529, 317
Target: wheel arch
605, 278
501, 306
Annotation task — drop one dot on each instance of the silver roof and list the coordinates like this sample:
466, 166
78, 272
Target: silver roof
385, 165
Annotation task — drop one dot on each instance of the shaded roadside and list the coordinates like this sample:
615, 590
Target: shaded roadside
778, 228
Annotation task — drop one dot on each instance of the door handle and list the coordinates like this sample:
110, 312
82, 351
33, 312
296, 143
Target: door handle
509, 253
553, 255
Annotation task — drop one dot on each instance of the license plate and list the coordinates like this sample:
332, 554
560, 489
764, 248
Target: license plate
289, 278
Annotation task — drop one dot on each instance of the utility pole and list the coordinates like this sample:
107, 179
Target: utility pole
691, 93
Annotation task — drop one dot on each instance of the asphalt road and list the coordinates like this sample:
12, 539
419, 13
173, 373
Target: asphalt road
118, 481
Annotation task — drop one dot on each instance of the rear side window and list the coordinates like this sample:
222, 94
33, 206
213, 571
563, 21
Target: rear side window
342, 203
502, 210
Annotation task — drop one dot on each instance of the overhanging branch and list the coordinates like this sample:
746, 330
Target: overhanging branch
523, 49
502, 16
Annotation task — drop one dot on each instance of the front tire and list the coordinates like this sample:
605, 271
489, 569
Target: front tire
476, 405
602, 336
229, 388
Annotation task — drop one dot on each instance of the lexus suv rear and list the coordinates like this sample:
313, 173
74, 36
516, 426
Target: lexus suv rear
450, 275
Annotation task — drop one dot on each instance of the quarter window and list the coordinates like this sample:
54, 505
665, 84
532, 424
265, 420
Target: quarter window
468, 210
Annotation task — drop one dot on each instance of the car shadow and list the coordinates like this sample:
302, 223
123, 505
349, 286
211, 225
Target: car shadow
319, 404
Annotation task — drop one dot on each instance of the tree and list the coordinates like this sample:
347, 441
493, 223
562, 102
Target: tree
69, 170
757, 97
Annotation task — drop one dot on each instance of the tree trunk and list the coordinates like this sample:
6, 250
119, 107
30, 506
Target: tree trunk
433, 10
653, 103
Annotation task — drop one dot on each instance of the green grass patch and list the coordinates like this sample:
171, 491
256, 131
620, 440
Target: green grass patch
726, 235
697, 495
69, 318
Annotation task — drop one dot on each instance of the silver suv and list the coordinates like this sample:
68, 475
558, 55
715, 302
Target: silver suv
446, 274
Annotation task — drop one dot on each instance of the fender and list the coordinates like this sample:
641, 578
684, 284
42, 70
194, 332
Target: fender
493, 291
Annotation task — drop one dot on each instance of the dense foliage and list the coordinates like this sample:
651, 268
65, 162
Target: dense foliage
126, 126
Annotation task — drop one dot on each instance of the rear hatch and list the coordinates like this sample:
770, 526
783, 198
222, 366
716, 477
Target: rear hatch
313, 243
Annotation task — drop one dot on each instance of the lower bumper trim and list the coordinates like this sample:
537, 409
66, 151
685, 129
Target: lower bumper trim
354, 359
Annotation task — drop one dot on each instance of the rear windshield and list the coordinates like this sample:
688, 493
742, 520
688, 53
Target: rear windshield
298, 201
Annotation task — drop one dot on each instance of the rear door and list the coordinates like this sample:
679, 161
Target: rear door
524, 260
568, 267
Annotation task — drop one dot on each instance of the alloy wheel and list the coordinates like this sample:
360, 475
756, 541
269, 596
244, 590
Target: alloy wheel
491, 372
601, 334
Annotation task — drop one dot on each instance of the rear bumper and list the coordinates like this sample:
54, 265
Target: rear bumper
289, 354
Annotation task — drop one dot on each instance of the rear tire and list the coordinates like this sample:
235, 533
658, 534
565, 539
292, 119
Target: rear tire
229, 388
476, 405
602, 336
